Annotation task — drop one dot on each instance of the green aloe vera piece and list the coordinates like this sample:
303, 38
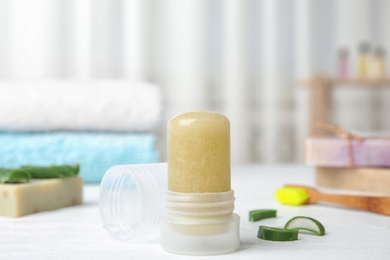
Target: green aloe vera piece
259, 214
14, 175
277, 234
306, 223
53, 171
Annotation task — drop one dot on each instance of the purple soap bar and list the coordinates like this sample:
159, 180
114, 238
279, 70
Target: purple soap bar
334, 152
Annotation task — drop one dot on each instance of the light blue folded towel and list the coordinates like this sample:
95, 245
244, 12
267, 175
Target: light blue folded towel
94, 151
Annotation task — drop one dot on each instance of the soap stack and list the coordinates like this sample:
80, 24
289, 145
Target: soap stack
351, 163
94, 123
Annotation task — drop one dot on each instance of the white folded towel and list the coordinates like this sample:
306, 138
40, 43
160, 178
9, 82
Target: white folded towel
109, 105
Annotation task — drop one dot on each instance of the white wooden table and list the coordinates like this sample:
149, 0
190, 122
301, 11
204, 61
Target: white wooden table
78, 233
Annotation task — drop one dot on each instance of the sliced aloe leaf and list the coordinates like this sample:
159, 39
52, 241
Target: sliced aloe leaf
259, 214
277, 234
53, 171
306, 223
14, 175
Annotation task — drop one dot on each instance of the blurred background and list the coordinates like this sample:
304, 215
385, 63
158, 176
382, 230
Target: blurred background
247, 59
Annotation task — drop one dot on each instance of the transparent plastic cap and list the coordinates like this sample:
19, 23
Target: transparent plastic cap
132, 199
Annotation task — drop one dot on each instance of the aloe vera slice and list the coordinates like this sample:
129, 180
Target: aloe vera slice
14, 175
259, 214
277, 234
53, 171
306, 223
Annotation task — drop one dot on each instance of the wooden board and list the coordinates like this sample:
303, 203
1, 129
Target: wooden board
376, 180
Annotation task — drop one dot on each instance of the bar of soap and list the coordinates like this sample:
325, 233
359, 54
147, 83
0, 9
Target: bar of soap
199, 153
39, 195
373, 180
333, 152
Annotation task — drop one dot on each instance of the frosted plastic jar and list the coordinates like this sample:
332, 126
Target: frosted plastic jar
132, 200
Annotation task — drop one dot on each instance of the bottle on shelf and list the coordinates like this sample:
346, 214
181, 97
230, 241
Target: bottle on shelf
343, 62
363, 61
378, 64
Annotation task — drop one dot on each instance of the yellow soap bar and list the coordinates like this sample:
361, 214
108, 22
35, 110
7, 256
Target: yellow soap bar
199, 153
39, 195
292, 196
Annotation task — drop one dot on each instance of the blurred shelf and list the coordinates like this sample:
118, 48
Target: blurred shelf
361, 82
320, 89
353, 82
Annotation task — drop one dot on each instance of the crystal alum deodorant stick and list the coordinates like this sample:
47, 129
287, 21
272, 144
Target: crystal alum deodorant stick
199, 218
199, 153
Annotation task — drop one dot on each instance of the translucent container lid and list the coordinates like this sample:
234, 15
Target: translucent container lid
132, 199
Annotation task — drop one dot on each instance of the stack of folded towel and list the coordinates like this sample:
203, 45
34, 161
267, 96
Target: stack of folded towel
96, 124
351, 162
